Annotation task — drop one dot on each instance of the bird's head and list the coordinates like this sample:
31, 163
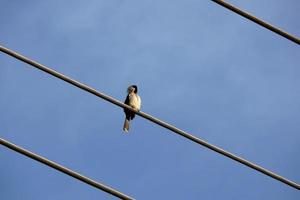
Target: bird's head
132, 88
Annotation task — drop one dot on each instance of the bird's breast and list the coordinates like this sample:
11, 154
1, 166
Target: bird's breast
135, 101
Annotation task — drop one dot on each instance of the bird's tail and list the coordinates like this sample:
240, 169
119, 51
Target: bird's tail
126, 125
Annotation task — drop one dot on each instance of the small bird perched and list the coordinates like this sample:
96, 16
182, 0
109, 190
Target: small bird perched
133, 100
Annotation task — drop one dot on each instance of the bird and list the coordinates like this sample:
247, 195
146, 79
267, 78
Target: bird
133, 100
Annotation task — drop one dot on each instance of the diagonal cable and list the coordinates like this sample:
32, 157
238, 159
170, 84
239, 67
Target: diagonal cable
258, 21
150, 118
64, 170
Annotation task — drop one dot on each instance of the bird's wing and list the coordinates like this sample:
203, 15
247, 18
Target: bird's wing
127, 100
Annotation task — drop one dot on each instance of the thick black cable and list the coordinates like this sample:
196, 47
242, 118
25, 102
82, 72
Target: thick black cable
149, 117
258, 21
64, 170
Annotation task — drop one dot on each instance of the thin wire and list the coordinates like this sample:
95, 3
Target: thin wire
258, 21
149, 117
64, 170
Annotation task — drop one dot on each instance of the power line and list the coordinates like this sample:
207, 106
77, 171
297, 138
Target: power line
149, 117
64, 170
258, 21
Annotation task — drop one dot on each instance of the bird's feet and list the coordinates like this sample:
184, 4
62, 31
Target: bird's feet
136, 109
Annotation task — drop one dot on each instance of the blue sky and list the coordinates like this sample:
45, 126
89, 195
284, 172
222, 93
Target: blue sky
198, 66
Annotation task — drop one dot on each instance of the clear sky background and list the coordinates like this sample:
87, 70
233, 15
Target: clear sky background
198, 66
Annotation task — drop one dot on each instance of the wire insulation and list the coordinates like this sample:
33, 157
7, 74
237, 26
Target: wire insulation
258, 21
150, 118
64, 170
